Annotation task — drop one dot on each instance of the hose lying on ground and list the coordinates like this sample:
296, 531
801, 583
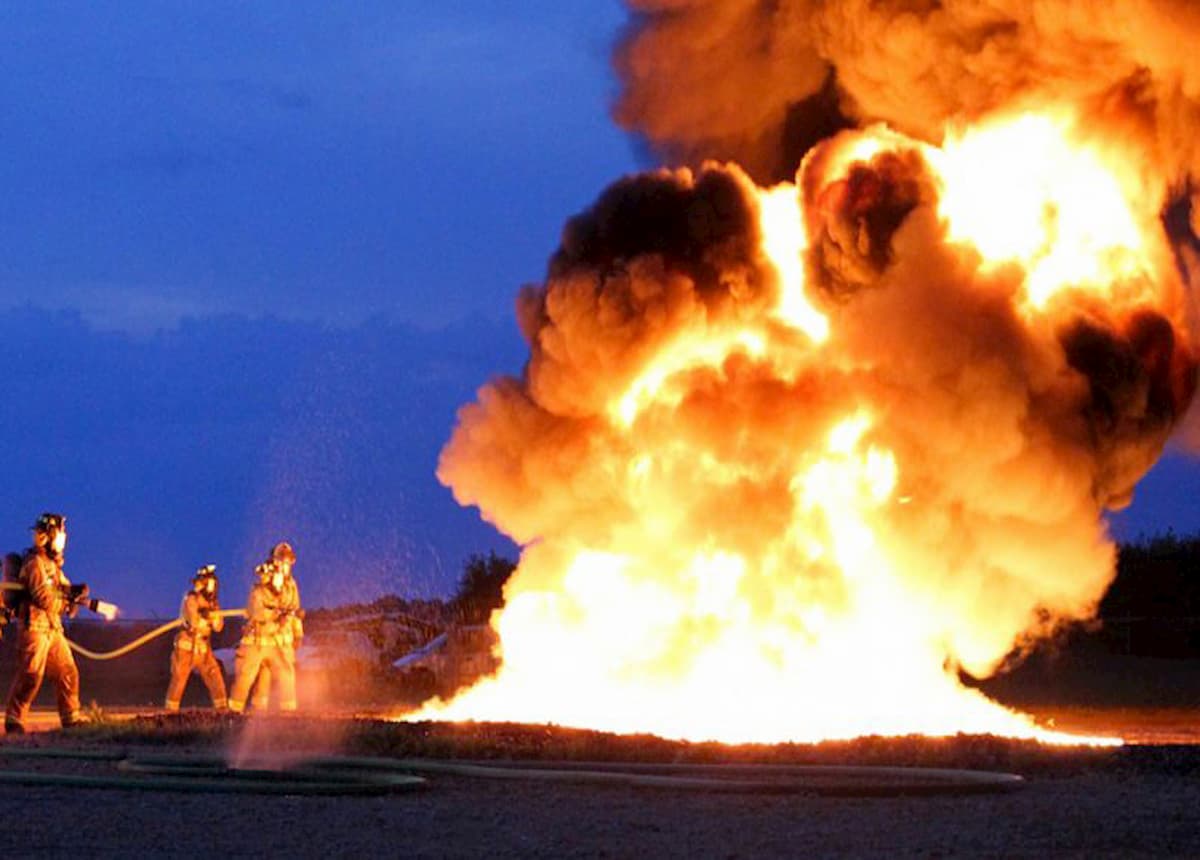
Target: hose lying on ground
206, 775
348, 775
826, 780
142, 640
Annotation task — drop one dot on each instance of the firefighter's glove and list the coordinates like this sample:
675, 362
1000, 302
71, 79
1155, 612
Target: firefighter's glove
74, 596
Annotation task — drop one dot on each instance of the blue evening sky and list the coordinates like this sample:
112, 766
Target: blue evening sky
254, 256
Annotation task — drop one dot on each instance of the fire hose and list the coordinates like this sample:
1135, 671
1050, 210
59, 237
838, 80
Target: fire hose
76, 595
359, 776
205, 775
142, 640
104, 608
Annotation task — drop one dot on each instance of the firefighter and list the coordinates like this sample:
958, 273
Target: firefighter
200, 612
42, 647
283, 557
268, 639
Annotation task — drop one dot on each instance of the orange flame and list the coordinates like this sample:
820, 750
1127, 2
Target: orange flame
1024, 190
802, 585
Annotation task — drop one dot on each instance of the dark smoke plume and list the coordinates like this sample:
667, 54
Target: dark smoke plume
735, 79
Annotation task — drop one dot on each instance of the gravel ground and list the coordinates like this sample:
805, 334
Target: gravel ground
1094, 815
1138, 802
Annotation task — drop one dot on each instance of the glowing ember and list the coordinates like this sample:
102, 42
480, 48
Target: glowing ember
785, 462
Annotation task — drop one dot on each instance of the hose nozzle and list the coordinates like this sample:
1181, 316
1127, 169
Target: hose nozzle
108, 611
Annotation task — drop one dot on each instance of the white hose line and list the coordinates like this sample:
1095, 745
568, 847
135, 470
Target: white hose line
142, 640
826, 780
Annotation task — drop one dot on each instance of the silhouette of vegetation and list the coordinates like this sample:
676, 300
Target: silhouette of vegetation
1152, 608
430, 611
1157, 576
481, 589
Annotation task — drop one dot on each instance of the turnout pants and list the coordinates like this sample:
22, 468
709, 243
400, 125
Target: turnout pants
40, 652
201, 660
260, 693
250, 661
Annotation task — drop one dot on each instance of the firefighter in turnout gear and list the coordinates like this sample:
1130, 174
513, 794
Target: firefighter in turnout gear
42, 647
200, 612
283, 557
273, 625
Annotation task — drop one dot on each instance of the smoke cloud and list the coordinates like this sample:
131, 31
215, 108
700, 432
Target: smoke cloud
938, 462
733, 79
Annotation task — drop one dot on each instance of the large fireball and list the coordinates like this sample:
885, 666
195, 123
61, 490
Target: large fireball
786, 461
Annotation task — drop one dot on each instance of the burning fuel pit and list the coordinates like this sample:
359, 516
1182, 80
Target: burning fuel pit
788, 458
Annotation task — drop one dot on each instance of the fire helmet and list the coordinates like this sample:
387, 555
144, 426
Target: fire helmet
205, 572
283, 552
49, 522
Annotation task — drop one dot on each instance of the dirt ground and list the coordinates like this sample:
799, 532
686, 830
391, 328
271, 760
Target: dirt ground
1141, 801
1084, 816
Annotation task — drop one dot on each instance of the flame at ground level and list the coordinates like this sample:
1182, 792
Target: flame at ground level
745, 687
590, 655
784, 462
